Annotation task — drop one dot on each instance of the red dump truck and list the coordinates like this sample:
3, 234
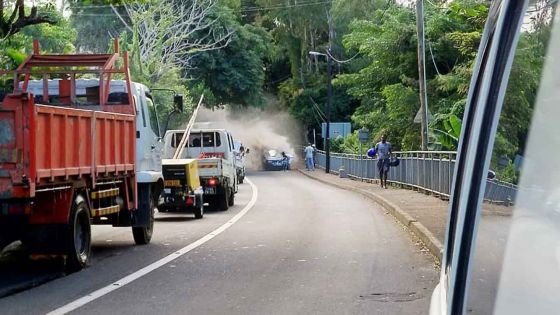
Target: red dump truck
68, 158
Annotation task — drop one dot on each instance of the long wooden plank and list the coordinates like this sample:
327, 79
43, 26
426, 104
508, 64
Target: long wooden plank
187, 132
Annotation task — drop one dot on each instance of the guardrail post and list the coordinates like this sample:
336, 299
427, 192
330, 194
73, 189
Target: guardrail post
424, 177
432, 171
439, 174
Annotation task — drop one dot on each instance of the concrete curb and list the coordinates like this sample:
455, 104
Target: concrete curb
432, 243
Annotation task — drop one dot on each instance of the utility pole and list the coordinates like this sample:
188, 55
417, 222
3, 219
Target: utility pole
326, 140
329, 96
328, 114
422, 71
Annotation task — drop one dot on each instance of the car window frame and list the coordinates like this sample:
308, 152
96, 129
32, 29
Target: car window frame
484, 104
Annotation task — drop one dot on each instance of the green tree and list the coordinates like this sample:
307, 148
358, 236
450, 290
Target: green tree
17, 15
235, 74
385, 81
53, 38
96, 24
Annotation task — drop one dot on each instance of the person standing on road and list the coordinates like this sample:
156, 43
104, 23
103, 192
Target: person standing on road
309, 151
384, 151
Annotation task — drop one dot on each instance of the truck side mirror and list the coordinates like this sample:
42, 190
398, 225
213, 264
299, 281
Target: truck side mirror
178, 102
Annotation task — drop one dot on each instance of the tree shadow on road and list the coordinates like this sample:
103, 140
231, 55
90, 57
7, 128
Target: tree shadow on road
20, 271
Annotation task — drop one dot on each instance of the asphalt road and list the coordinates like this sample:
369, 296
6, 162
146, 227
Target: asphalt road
303, 248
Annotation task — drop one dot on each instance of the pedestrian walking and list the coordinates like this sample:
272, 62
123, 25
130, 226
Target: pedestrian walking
309, 164
384, 151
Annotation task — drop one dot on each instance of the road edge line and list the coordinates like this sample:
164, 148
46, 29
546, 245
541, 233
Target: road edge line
430, 241
157, 264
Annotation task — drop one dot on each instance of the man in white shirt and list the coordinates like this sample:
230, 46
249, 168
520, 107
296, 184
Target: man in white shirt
309, 157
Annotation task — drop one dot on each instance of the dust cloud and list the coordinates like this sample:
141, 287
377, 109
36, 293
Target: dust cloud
257, 129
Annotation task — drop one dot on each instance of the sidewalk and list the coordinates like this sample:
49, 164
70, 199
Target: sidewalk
424, 215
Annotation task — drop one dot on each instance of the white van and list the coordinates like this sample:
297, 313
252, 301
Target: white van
214, 150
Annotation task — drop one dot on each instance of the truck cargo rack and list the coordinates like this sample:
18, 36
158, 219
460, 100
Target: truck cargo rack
67, 68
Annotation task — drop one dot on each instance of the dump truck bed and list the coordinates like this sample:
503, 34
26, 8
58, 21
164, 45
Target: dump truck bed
44, 145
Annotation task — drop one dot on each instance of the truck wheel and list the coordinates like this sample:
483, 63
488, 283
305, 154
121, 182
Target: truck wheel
78, 246
223, 200
199, 210
143, 234
240, 179
231, 199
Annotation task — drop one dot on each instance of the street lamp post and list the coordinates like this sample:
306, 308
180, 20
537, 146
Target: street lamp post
327, 110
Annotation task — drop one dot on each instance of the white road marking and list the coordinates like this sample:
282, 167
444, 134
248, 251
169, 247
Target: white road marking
158, 264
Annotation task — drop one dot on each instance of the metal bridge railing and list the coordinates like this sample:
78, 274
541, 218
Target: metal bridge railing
428, 171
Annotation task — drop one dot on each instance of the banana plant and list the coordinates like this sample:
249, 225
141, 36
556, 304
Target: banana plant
448, 138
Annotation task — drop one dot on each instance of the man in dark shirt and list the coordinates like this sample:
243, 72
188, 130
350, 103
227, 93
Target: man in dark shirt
383, 149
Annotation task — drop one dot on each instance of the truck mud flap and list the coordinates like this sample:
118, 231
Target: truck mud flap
141, 217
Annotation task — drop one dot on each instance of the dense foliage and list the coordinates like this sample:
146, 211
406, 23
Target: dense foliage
263, 47
378, 88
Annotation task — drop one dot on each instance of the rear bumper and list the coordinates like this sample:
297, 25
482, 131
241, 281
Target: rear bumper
274, 165
176, 207
175, 200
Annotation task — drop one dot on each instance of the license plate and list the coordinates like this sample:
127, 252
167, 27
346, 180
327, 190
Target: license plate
172, 183
167, 190
210, 190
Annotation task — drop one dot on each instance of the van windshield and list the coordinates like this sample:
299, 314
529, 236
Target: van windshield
209, 140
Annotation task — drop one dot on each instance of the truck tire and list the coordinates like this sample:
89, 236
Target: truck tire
199, 210
240, 179
143, 234
78, 237
231, 199
223, 200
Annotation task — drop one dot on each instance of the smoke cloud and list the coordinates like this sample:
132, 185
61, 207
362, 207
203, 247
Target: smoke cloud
257, 129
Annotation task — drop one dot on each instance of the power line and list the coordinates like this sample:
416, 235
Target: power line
317, 120
342, 61
245, 9
316, 113
282, 6
316, 106
433, 59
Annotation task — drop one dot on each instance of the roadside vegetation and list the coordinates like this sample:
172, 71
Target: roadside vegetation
238, 51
